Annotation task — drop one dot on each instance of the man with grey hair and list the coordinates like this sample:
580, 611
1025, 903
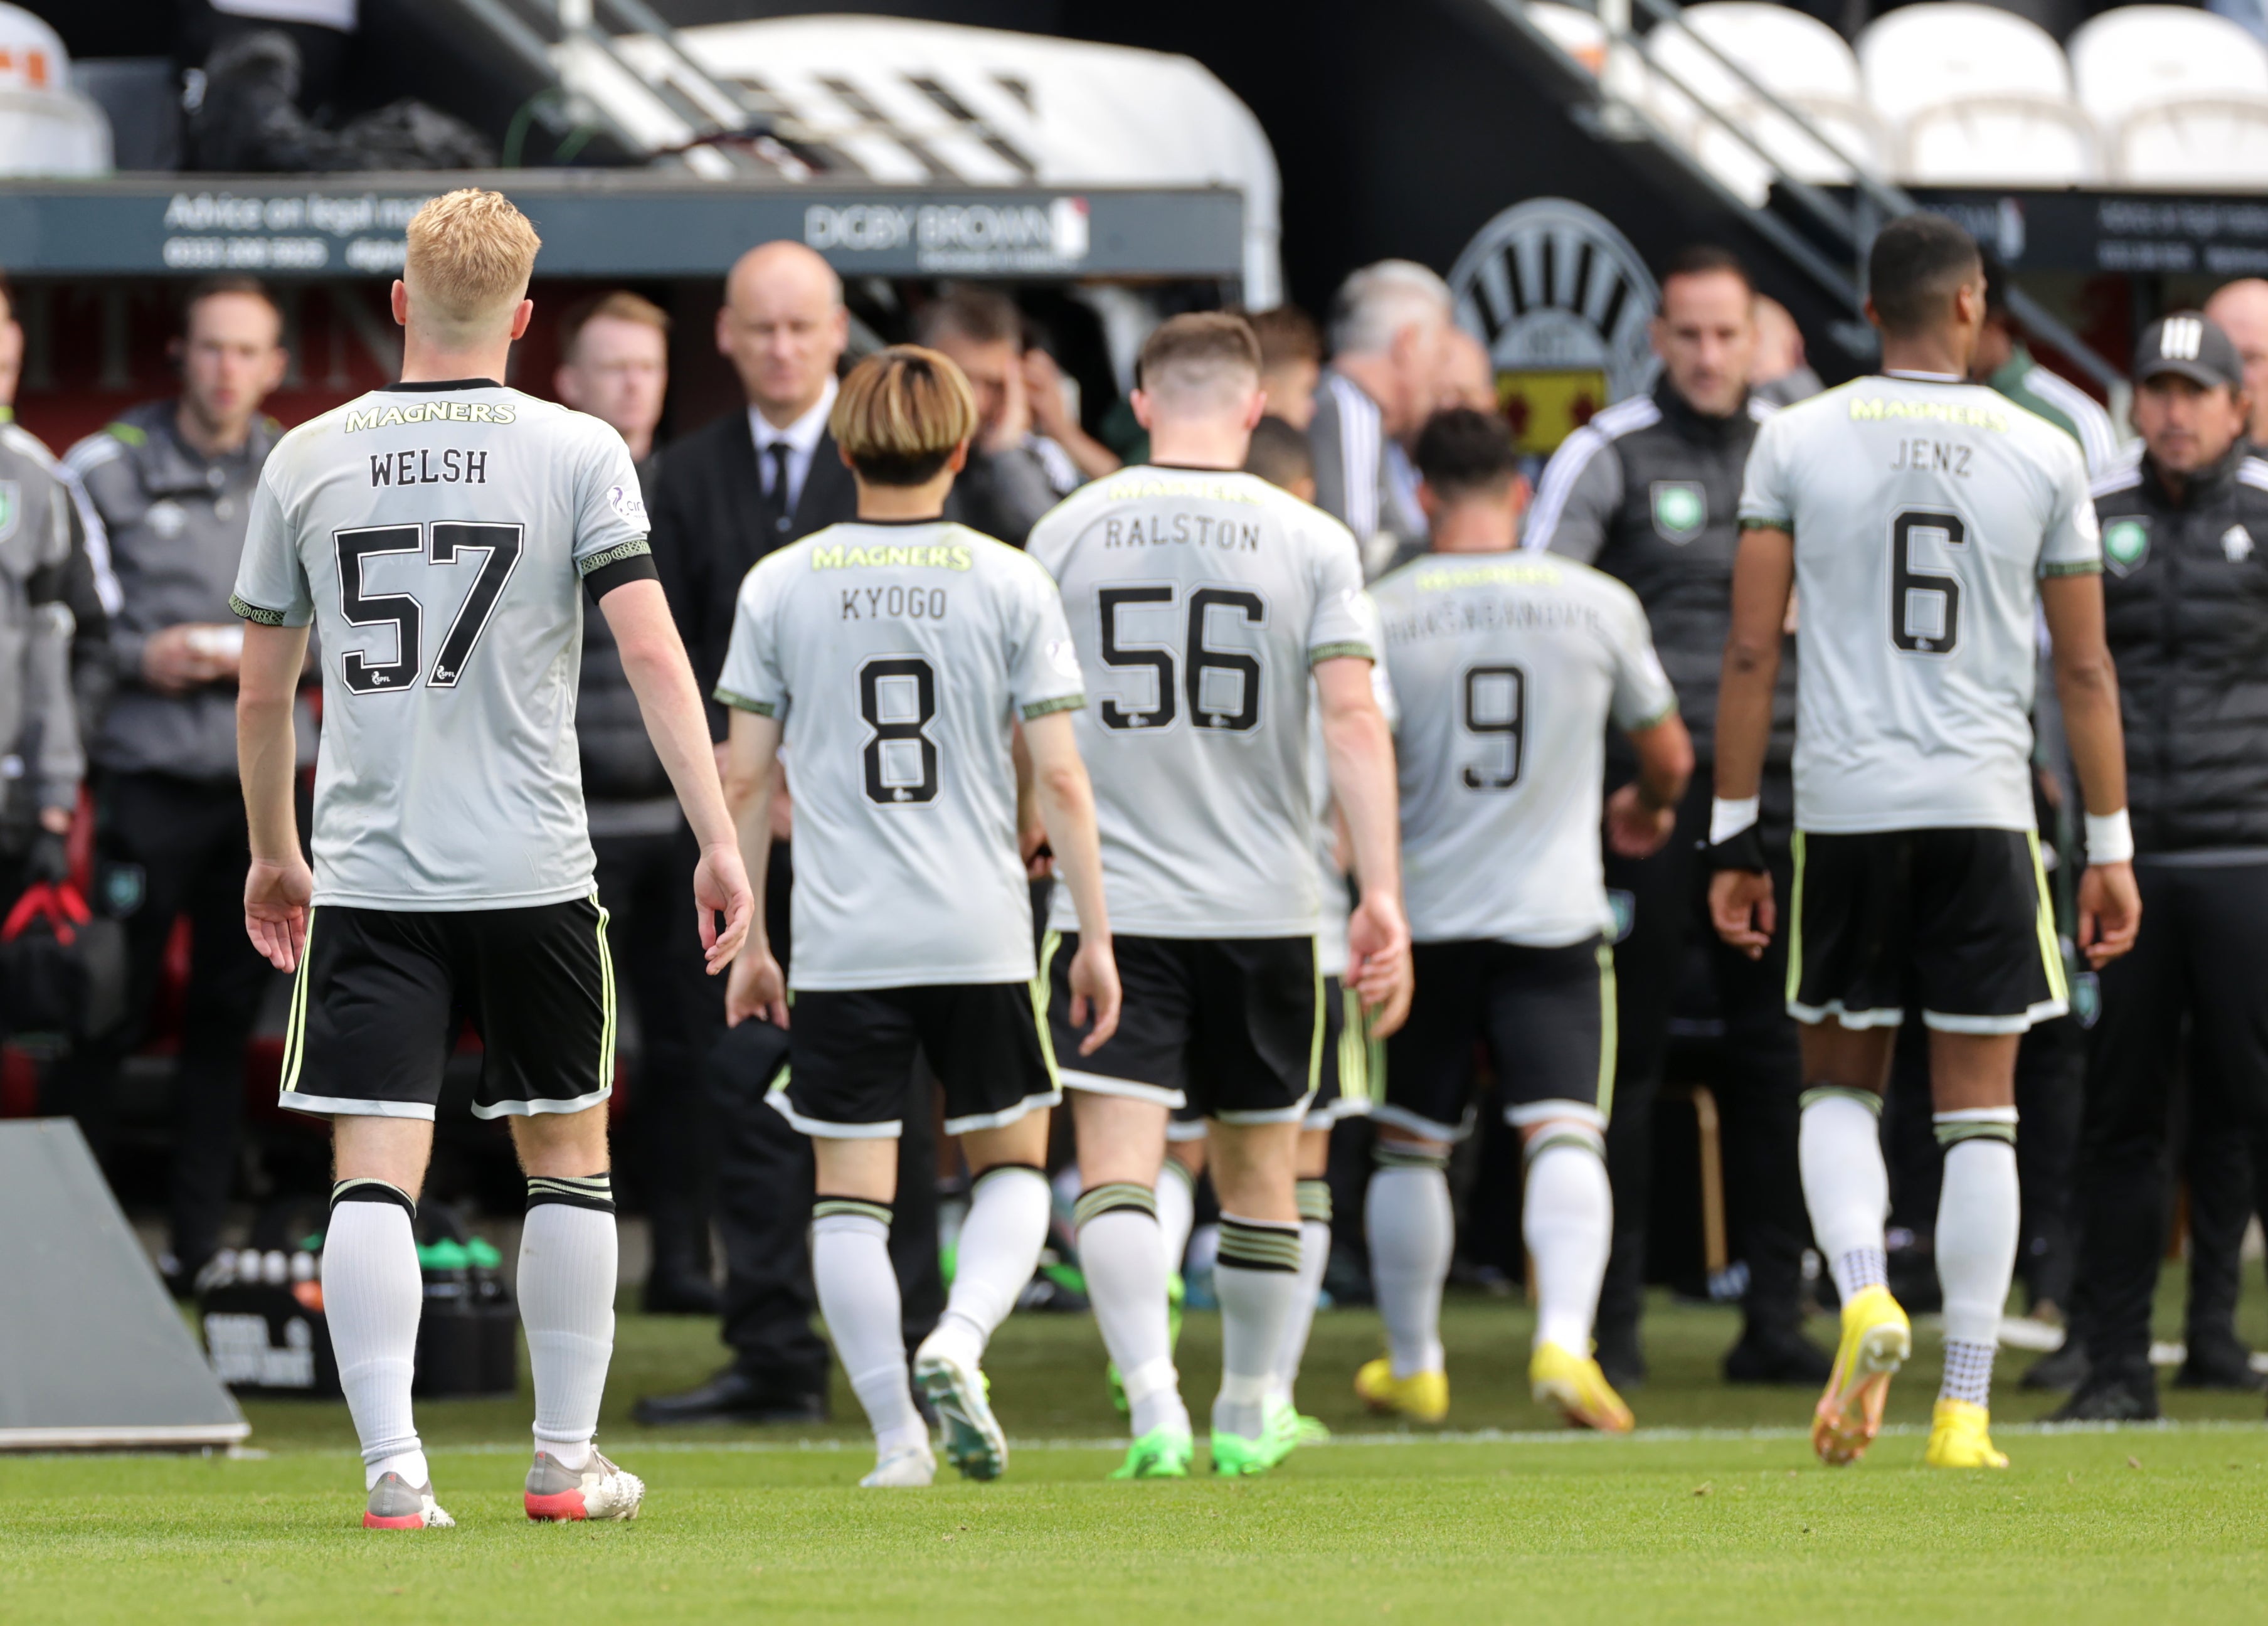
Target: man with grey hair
1390, 332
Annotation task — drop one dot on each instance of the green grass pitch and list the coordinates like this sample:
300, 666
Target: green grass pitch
1716, 1512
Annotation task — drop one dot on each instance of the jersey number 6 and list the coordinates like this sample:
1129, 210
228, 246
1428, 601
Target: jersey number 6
1201, 658
500, 546
1912, 590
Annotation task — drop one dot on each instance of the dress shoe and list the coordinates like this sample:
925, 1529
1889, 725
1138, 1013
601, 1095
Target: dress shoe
2064, 1369
2112, 1394
1776, 1355
2219, 1362
733, 1395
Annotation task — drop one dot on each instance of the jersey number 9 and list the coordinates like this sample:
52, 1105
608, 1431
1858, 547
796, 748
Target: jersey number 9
1496, 708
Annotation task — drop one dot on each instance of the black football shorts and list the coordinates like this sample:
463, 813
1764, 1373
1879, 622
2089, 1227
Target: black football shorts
851, 1052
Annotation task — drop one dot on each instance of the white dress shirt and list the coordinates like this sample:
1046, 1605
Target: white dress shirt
801, 438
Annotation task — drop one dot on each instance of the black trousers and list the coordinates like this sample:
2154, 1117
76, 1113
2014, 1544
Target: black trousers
645, 885
2202, 958
1759, 1080
765, 1186
168, 848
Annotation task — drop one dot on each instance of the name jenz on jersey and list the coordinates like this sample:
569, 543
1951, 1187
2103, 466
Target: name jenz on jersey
1192, 530
894, 603
1932, 457
1448, 620
454, 468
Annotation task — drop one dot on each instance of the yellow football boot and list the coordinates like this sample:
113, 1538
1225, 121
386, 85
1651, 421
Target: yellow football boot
1574, 1384
1957, 1437
1876, 1340
1422, 1397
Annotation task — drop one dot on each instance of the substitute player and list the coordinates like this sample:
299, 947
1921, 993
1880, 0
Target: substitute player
436, 531
1201, 598
1923, 523
892, 657
1508, 670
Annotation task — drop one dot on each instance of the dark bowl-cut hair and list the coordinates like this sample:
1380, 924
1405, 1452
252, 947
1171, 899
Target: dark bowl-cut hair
1460, 451
1916, 263
1279, 454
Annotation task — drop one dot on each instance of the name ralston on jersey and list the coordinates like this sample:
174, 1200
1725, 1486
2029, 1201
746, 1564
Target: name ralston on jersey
435, 535
1508, 669
1925, 510
1198, 601
898, 658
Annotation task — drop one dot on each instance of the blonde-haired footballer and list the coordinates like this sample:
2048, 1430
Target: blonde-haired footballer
438, 530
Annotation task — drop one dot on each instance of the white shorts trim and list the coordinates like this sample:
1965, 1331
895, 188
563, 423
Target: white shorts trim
340, 1107
1182, 1131
1527, 1115
1101, 1084
1402, 1118
820, 1128
1007, 1115
1295, 1112
535, 1108
2045, 1011
1888, 1016
1329, 1113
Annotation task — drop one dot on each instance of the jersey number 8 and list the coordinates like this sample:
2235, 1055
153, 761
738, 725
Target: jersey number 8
1235, 665
499, 545
897, 671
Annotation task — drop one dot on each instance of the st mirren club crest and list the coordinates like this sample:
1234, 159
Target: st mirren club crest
1562, 301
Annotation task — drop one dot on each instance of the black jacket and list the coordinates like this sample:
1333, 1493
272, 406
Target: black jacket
1649, 491
619, 761
712, 522
2185, 597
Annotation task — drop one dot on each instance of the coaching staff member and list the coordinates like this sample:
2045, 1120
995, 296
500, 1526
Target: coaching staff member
727, 496
168, 488
1648, 491
2185, 602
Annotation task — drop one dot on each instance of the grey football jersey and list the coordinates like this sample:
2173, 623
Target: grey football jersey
1925, 510
1199, 599
897, 658
1508, 668
436, 535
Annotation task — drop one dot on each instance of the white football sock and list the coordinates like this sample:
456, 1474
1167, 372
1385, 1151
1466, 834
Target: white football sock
1412, 1230
568, 1256
1846, 1186
1567, 1217
1978, 1210
999, 1249
858, 1296
1125, 1268
1315, 1196
1257, 1277
1177, 1211
373, 1293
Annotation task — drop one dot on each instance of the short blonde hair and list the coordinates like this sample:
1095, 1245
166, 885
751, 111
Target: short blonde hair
470, 253
900, 415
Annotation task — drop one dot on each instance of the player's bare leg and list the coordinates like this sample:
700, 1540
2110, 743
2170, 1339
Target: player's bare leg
1122, 1146
373, 1292
857, 1182
1258, 1279
1412, 1230
568, 1259
1846, 1186
1567, 1221
999, 1249
1973, 1085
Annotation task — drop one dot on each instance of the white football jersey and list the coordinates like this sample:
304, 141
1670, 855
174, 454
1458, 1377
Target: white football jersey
1925, 510
1199, 599
438, 536
1508, 668
899, 657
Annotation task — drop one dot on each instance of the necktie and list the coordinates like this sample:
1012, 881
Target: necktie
783, 500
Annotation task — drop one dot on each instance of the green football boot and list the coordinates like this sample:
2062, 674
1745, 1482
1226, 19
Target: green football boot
1161, 1454
1236, 1457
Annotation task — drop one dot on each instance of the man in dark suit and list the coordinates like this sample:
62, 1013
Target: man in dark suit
727, 496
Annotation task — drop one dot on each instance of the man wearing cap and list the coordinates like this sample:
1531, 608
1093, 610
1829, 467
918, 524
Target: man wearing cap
2185, 601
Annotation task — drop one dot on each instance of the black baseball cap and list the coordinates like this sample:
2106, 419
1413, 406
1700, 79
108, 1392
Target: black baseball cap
2191, 345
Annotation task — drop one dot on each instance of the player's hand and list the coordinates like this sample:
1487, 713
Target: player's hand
276, 898
1379, 966
757, 988
720, 886
2109, 911
1094, 987
1740, 907
1633, 829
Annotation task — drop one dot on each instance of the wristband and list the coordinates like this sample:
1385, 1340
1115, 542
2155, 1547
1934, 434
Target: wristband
1729, 819
2110, 839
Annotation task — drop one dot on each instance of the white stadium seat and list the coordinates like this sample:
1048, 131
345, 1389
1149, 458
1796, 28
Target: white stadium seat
1977, 95
1578, 32
46, 128
2180, 95
1799, 59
